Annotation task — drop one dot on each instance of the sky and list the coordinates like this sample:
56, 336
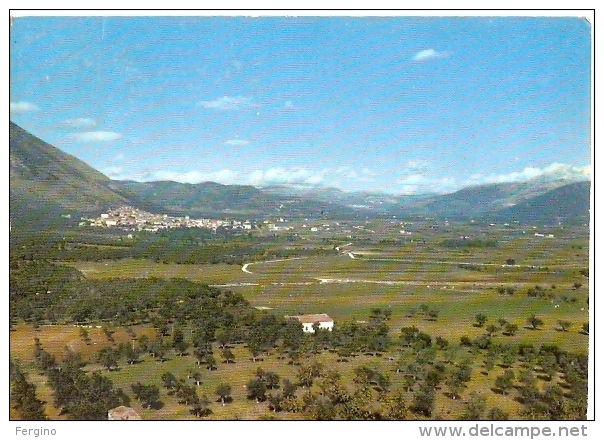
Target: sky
401, 105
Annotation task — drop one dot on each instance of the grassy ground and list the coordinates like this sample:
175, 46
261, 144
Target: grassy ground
237, 374
401, 277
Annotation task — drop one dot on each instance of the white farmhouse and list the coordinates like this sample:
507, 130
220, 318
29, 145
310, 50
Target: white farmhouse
322, 320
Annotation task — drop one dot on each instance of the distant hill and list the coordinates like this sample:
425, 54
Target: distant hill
45, 182
567, 204
209, 199
487, 200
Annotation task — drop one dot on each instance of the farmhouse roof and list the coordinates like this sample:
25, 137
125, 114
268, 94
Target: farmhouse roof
320, 317
123, 413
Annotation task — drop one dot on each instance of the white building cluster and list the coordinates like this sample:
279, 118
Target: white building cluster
133, 219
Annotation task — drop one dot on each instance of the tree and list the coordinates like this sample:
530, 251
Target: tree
508, 357
178, 342
131, 354
504, 382
37, 347
271, 379
585, 328
490, 360
289, 389
84, 335
549, 365
211, 363
228, 356
308, 372
481, 318
169, 380
196, 376
23, 397
275, 401
108, 357
143, 342
223, 337
200, 407
187, 395
510, 329
433, 314
475, 407
577, 286
492, 329
441, 343
109, 333
148, 395
534, 322
564, 325
497, 413
223, 391
72, 360
256, 389
423, 400
454, 385
395, 407
203, 350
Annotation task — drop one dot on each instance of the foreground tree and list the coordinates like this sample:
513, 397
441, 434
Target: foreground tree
170, 381
423, 400
475, 407
256, 390
223, 391
564, 325
497, 413
534, 322
504, 382
481, 318
200, 407
510, 329
23, 397
148, 395
228, 356
108, 358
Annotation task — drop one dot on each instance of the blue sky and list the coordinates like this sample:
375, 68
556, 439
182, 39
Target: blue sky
398, 105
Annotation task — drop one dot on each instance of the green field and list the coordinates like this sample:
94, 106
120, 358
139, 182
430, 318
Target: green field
456, 283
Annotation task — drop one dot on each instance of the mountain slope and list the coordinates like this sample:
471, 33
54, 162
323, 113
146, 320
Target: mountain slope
478, 201
567, 204
45, 182
213, 199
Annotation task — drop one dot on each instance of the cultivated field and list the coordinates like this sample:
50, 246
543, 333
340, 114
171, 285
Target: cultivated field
403, 277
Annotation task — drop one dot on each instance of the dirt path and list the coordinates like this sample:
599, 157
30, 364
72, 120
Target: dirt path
246, 265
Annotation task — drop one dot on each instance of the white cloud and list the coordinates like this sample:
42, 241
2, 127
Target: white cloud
225, 176
276, 176
429, 54
553, 171
237, 142
79, 123
96, 136
23, 107
229, 103
113, 172
417, 166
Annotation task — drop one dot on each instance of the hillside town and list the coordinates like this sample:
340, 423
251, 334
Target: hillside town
129, 218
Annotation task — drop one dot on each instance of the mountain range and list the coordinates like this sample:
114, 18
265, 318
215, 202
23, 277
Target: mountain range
47, 183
